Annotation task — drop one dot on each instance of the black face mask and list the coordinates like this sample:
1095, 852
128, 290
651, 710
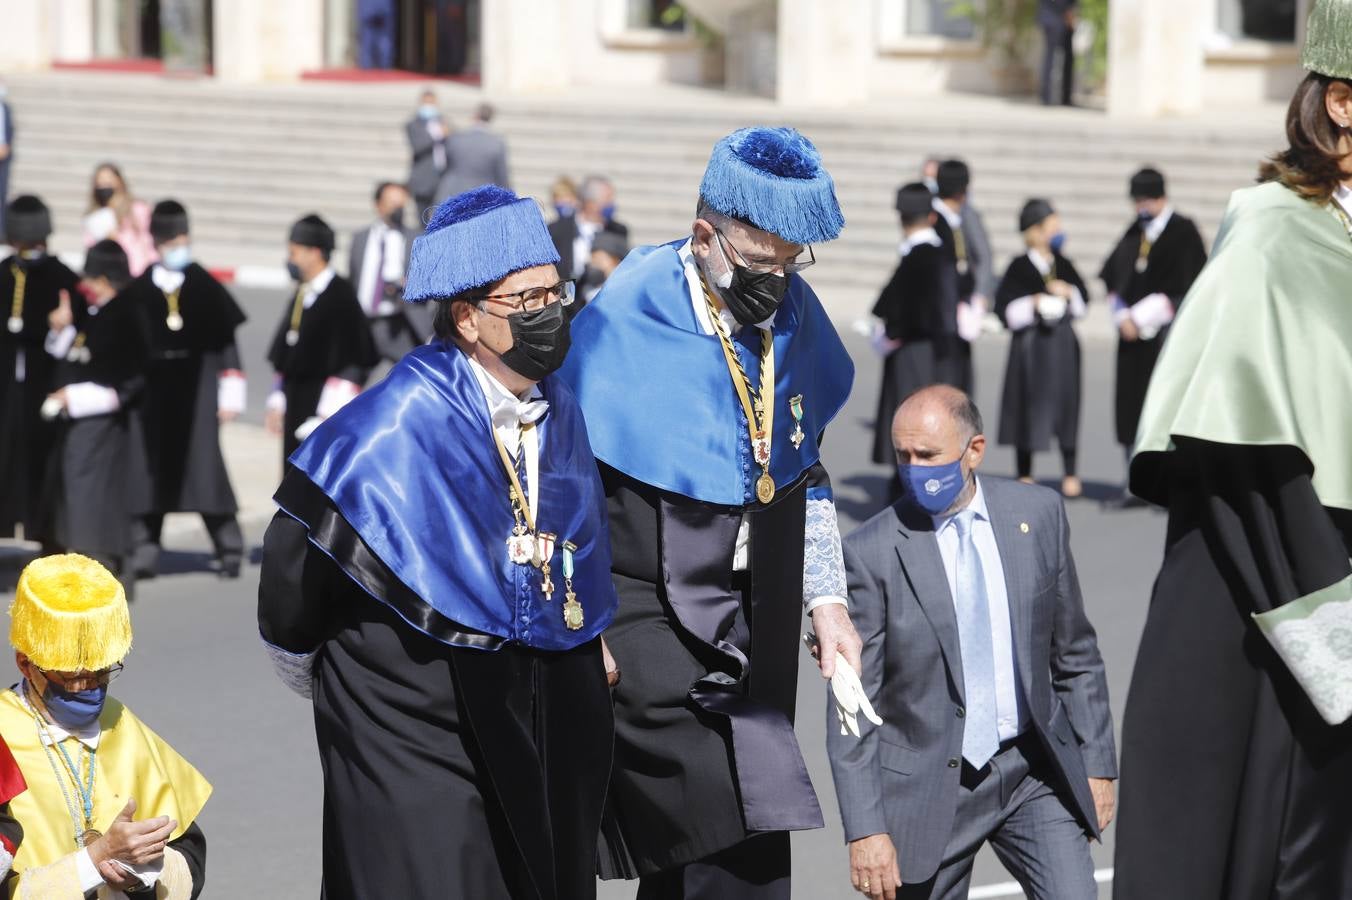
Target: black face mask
540, 341
396, 219
103, 195
294, 271
751, 297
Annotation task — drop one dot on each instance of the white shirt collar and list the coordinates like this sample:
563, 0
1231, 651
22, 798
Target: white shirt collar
1155, 227
1043, 264
692, 280
54, 733
166, 280
926, 235
1343, 196
508, 411
977, 505
316, 286
954, 219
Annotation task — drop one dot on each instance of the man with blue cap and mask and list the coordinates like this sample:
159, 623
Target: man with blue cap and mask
437, 580
708, 372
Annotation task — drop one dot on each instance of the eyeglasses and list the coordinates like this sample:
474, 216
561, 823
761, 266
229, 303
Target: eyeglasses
82, 681
536, 298
792, 267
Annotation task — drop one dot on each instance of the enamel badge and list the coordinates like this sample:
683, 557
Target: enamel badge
796, 410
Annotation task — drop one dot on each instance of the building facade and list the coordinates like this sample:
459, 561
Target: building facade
1164, 57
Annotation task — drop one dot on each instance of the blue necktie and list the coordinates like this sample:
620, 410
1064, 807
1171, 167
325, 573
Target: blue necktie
981, 735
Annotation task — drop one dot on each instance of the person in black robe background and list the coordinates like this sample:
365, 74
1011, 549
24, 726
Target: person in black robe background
30, 286
1038, 298
1147, 275
918, 309
953, 179
97, 479
195, 382
322, 351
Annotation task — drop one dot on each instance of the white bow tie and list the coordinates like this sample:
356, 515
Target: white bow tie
528, 412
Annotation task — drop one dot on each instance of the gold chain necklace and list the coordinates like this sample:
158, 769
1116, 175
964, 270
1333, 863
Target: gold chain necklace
16, 307
760, 406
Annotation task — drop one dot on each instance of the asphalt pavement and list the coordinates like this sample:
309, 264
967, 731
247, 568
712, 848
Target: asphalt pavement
199, 676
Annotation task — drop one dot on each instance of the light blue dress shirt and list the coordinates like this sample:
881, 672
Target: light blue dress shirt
1009, 700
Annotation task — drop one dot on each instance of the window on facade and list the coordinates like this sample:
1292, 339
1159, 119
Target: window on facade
935, 17
664, 14
1258, 20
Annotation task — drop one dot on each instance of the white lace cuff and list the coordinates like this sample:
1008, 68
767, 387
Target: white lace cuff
823, 560
1313, 636
6, 862
296, 670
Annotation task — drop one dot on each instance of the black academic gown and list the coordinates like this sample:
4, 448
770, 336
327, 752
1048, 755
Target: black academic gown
335, 342
1041, 397
479, 774
180, 408
97, 478
1173, 264
960, 373
26, 372
919, 308
674, 795
1233, 787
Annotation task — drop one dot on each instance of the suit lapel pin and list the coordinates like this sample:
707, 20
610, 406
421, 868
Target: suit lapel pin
1023, 526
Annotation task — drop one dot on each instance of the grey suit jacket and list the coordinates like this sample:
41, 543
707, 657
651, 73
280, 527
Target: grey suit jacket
476, 157
903, 778
979, 251
423, 174
419, 315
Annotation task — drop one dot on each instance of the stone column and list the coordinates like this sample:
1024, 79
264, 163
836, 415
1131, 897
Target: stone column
263, 40
824, 51
1156, 57
24, 41
520, 45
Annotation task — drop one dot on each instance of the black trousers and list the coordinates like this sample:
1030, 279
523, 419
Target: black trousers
1058, 40
223, 528
1023, 460
759, 868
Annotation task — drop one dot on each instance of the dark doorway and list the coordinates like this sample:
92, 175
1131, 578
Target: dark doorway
431, 37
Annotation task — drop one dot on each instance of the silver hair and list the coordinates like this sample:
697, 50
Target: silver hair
592, 188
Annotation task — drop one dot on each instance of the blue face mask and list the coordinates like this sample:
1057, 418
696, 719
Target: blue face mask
564, 210
428, 111
1143, 216
932, 489
177, 258
1058, 241
74, 710
608, 212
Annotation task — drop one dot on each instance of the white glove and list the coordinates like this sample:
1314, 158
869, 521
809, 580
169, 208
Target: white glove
307, 428
1051, 307
850, 698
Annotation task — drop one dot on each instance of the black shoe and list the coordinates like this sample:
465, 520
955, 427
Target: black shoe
1125, 500
229, 569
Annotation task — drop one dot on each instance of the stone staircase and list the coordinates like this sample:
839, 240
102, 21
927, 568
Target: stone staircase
249, 160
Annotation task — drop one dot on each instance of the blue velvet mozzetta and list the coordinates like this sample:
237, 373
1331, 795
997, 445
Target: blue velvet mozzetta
774, 179
475, 239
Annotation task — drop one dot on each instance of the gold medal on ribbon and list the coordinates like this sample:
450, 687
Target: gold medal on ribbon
765, 488
174, 322
89, 836
15, 324
292, 337
573, 618
797, 436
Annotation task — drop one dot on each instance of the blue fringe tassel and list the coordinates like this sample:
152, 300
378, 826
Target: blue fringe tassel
774, 179
475, 239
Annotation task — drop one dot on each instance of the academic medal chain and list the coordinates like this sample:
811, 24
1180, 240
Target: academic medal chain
528, 546
85, 790
297, 310
16, 307
1143, 254
173, 321
760, 409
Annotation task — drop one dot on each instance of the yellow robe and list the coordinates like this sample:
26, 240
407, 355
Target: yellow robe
132, 761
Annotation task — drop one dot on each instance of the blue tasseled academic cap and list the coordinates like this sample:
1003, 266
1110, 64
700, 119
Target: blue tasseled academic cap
773, 179
475, 239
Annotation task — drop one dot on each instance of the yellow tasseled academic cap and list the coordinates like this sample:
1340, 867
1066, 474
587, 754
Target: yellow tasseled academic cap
70, 615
